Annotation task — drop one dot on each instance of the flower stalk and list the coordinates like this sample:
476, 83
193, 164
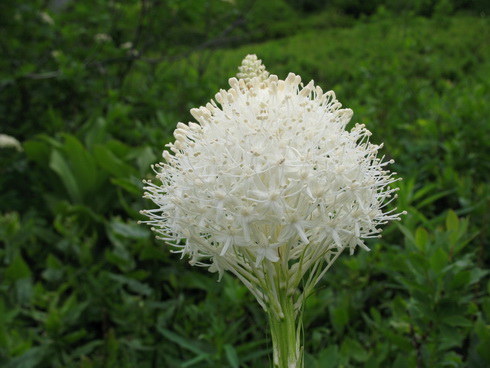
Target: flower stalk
286, 336
286, 325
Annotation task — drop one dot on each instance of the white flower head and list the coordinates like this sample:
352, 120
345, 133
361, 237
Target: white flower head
269, 177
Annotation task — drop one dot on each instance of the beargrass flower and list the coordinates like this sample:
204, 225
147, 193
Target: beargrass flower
270, 186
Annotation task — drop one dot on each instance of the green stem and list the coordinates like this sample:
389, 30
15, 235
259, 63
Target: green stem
286, 330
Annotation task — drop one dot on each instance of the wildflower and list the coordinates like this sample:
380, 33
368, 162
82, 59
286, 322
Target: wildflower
46, 18
127, 45
57, 54
7, 141
270, 186
102, 37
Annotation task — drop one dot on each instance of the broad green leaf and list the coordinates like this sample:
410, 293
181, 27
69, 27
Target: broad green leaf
131, 185
439, 260
457, 321
329, 357
4, 318
86, 349
182, 342
421, 238
399, 307
145, 159
451, 337
136, 344
401, 361
120, 258
53, 262
71, 309
111, 163
408, 234
477, 274
483, 332
452, 359
339, 318
133, 284
151, 252
24, 69
418, 264
253, 350
422, 191
399, 340
129, 230
124, 201
375, 314
352, 348
23, 290
461, 280
433, 198
38, 152
75, 336
232, 356
30, 359
485, 304
52, 275
60, 166
196, 360
53, 270
82, 164
121, 149
53, 142
96, 133
17, 270
452, 221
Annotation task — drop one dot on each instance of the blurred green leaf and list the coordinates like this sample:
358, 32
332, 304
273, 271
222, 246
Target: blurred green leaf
111, 163
232, 356
30, 359
131, 185
457, 321
421, 238
16, 270
87, 348
59, 165
452, 221
329, 356
438, 260
129, 230
353, 349
182, 342
145, 159
339, 318
82, 164
133, 285
483, 332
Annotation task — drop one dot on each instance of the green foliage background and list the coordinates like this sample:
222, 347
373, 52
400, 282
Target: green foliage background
93, 89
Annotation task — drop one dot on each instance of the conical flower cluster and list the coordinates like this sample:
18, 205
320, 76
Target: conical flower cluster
269, 181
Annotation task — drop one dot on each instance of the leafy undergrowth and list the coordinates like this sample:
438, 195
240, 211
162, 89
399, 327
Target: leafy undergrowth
82, 285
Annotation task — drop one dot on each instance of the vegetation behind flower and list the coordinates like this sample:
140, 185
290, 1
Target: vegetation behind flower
82, 285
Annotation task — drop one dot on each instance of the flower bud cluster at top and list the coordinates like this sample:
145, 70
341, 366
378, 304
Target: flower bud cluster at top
251, 68
269, 174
